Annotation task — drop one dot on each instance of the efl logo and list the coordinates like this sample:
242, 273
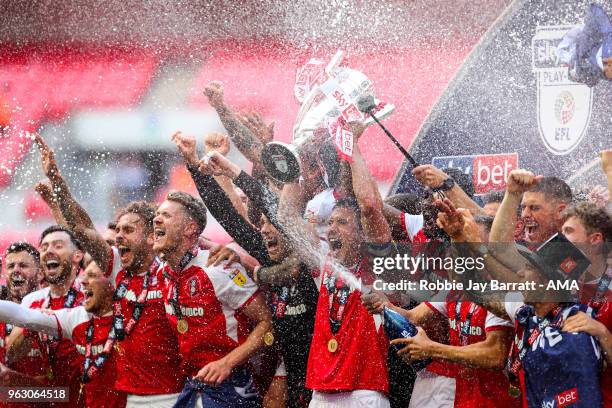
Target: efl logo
488, 171
564, 106
567, 398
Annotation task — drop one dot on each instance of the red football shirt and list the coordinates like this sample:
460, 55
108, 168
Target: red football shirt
210, 299
152, 346
64, 361
475, 387
360, 360
32, 364
73, 325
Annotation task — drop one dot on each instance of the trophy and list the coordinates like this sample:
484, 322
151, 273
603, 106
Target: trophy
330, 103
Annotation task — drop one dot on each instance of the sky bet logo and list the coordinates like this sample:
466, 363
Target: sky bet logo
488, 171
564, 399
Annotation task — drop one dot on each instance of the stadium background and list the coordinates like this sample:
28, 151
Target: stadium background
107, 83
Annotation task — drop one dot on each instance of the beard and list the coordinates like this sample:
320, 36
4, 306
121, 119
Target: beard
18, 293
65, 270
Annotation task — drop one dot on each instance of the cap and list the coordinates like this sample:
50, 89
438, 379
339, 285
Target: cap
557, 258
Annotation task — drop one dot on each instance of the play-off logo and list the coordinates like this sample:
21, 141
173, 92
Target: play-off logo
488, 171
564, 106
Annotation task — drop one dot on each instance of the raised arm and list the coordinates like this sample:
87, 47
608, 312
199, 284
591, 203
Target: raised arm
242, 137
220, 205
218, 142
506, 218
460, 225
264, 133
260, 195
45, 192
375, 226
74, 215
432, 177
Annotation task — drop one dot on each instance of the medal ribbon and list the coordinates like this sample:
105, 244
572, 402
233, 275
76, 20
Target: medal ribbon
46, 343
599, 298
526, 339
174, 301
338, 297
279, 302
464, 331
122, 330
90, 368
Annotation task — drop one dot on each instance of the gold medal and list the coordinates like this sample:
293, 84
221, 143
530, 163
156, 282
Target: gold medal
49, 374
118, 349
268, 339
182, 326
513, 391
332, 345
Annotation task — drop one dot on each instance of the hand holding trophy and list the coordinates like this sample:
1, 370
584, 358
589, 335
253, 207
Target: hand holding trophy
326, 110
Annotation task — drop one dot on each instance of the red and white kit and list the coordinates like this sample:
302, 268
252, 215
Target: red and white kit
474, 387
64, 362
353, 359
152, 347
72, 326
210, 299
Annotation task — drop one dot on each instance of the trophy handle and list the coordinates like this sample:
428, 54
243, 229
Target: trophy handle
334, 63
281, 161
304, 109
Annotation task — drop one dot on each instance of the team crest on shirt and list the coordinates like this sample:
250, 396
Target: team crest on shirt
238, 277
564, 106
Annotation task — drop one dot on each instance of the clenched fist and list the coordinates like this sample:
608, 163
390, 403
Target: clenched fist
214, 93
521, 180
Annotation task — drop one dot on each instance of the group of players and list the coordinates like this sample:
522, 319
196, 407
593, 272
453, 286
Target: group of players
150, 313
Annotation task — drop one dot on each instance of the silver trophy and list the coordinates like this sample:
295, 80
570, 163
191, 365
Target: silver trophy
335, 99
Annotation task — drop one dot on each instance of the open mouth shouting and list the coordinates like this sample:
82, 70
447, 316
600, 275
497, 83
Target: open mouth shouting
531, 229
52, 267
272, 244
88, 297
17, 281
124, 252
334, 244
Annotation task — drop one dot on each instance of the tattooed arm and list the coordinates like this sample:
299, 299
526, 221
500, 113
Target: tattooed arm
243, 138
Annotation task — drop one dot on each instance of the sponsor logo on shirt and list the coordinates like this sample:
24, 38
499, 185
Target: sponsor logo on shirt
186, 311
151, 295
295, 310
562, 399
474, 330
